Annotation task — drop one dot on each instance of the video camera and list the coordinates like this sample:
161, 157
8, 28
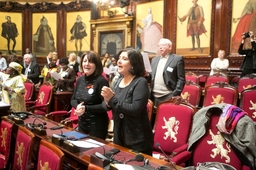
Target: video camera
247, 34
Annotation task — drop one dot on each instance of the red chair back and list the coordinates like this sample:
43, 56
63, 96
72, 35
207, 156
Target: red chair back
23, 148
44, 98
172, 124
212, 147
190, 76
49, 156
29, 90
248, 102
6, 129
192, 93
220, 93
211, 80
246, 82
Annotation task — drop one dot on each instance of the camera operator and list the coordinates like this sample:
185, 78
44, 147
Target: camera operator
249, 63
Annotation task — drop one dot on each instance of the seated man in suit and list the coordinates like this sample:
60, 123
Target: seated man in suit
31, 69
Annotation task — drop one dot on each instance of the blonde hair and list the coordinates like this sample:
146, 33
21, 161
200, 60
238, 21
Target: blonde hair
74, 59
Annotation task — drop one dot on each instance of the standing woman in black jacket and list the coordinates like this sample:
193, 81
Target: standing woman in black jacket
128, 100
249, 63
87, 100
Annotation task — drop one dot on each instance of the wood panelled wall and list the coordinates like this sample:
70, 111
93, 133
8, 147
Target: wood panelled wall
220, 29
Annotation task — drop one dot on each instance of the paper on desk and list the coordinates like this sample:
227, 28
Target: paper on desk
55, 75
90, 143
124, 166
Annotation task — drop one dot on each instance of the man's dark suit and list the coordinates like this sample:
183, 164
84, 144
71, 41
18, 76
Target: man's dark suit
33, 72
174, 75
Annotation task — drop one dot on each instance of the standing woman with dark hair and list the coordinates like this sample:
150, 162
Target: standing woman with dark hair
87, 100
128, 100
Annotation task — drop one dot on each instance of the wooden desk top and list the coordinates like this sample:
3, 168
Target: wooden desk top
83, 156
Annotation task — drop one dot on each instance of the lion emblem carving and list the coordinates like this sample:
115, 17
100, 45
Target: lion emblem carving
172, 128
218, 99
253, 108
185, 96
218, 141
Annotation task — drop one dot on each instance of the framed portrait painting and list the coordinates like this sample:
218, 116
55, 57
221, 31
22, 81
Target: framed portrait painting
193, 27
11, 33
78, 31
243, 20
149, 25
44, 33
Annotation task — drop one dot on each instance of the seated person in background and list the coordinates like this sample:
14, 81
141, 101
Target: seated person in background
51, 55
13, 89
31, 69
220, 64
3, 64
13, 58
48, 68
106, 61
68, 76
114, 68
72, 59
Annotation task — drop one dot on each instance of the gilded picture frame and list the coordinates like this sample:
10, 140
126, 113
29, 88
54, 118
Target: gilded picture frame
149, 25
193, 36
242, 21
15, 43
44, 33
78, 42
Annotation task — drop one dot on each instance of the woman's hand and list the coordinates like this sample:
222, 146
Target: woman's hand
107, 93
80, 109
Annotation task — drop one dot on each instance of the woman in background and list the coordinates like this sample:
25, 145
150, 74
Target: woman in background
220, 64
13, 89
87, 100
128, 101
72, 59
68, 76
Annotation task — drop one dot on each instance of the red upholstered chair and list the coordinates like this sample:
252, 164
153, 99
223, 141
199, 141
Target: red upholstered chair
207, 150
214, 79
220, 93
248, 102
6, 129
150, 107
172, 128
192, 93
42, 104
29, 86
49, 156
23, 149
246, 82
190, 76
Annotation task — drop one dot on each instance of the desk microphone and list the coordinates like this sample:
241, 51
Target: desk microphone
60, 136
168, 159
33, 125
138, 158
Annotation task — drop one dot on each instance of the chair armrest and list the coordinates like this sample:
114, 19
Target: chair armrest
181, 158
179, 150
37, 107
60, 113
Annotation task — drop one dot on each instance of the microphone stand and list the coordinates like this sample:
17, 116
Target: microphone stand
168, 159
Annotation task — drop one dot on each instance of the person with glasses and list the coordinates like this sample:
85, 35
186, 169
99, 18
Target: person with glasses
168, 73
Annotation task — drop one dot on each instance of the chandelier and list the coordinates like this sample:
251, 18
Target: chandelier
104, 4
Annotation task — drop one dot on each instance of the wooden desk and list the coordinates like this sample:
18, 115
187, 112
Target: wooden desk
4, 109
81, 159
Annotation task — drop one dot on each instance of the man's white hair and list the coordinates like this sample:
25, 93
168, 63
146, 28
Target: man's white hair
165, 41
30, 56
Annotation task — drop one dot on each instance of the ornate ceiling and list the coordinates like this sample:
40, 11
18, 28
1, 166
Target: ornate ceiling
36, 1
